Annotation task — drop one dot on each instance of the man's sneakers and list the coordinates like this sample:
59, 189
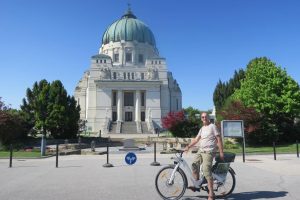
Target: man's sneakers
198, 183
196, 188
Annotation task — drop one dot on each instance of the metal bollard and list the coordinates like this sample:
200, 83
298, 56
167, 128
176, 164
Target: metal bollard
274, 149
93, 145
297, 146
79, 141
154, 163
10, 155
243, 153
56, 156
107, 164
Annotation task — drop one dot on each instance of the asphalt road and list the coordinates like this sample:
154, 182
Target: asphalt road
85, 178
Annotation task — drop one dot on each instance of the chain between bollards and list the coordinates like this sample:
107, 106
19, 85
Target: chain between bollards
274, 149
107, 164
56, 155
155, 163
10, 155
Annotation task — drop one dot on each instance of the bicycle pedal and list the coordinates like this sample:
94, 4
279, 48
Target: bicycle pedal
194, 189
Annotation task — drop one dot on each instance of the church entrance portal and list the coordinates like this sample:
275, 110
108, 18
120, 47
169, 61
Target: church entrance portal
128, 116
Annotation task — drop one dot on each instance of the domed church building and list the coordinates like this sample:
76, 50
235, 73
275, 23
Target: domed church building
128, 88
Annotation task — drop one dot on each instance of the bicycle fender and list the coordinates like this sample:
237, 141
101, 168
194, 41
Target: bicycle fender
230, 169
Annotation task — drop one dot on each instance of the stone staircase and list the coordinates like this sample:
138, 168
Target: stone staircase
113, 127
145, 128
128, 128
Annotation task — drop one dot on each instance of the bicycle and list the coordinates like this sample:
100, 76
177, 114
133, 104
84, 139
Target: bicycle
171, 181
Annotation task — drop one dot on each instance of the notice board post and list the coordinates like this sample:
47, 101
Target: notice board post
234, 129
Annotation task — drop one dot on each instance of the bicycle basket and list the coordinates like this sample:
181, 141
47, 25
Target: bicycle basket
222, 168
228, 157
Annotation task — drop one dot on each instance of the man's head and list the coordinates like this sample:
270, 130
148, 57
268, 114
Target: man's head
205, 118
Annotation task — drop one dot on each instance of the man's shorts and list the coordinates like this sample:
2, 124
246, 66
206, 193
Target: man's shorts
206, 159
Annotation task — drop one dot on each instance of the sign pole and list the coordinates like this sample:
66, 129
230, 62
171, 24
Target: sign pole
244, 143
244, 149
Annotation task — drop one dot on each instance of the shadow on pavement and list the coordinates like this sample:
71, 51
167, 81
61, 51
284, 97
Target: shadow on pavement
257, 195
244, 196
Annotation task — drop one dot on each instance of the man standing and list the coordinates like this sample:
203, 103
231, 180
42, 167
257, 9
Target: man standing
210, 139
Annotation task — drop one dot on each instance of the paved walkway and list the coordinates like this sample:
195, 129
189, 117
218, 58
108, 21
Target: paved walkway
84, 178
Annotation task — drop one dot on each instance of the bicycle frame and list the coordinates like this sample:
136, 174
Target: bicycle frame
180, 162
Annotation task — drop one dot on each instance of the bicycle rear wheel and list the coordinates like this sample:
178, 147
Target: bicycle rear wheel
173, 190
226, 188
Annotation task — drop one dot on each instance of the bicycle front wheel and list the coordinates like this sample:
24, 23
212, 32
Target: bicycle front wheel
170, 189
224, 189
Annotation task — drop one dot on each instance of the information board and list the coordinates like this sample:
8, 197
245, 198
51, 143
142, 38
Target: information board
233, 128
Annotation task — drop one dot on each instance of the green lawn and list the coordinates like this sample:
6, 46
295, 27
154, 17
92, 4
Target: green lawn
279, 149
21, 154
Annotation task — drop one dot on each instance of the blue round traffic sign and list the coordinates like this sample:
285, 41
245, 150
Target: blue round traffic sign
130, 158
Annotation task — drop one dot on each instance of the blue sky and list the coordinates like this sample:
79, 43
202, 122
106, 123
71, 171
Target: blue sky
203, 41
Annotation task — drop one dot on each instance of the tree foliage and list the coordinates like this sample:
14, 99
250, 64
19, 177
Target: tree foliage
267, 88
51, 109
192, 113
13, 127
178, 125
237, 111
254, 123
224, 90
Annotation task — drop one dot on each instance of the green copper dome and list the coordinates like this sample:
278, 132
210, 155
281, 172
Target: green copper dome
128, 28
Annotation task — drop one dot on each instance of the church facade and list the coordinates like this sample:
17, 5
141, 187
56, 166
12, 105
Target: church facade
128, 88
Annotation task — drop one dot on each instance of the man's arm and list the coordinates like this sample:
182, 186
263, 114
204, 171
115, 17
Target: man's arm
194, 141
220, 145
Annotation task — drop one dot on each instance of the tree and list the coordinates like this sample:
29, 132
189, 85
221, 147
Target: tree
267, 88
35, 107
179, 126
52, 110
12, 126
224, 90
192, 113
172, 119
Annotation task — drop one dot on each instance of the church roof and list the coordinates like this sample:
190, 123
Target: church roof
128, 28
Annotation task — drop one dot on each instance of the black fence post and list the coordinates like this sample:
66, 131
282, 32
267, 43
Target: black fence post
274, 149
107, 164
154, 163
10, 155
243, 153
297, 146
56, 155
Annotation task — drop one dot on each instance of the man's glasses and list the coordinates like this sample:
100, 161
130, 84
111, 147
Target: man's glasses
203, 117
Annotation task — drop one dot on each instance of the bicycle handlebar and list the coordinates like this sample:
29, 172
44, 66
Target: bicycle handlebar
179, 151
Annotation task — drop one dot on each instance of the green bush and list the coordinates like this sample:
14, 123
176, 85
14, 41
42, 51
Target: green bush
228, 144
185, 129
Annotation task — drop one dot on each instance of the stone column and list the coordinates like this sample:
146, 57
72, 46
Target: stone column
134, 56
119, 105
137, 105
